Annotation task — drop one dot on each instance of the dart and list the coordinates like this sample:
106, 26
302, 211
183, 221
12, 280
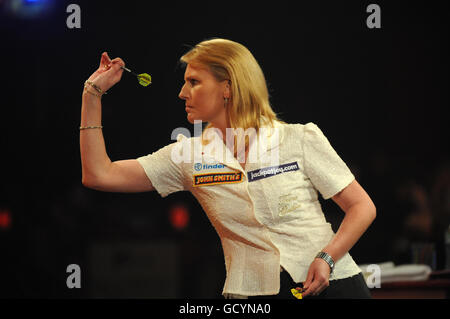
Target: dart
144, 78
297, 293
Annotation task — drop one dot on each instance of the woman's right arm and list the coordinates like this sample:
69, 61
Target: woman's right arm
98, 172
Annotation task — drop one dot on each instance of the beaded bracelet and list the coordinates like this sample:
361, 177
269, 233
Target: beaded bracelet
89, 127
99, 90
90, 92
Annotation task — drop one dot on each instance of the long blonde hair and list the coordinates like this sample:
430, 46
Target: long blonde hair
228, 60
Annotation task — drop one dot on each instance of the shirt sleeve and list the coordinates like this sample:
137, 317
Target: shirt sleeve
326, 170
163, 170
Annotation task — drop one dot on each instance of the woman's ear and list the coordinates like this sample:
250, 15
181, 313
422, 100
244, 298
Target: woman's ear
227, 91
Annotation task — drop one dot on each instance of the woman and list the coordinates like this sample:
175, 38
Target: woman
261, 196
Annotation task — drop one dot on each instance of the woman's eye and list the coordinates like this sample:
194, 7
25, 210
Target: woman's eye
193, 82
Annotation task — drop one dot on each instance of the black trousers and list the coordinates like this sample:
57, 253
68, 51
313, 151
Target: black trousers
348, 288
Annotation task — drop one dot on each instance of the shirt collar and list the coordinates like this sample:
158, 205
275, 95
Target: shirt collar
264, 148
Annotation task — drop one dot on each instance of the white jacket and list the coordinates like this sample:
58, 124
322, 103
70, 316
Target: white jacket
268, 214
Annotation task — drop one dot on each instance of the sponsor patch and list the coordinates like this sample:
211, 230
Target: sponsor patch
200, 166
271, 171
217, 178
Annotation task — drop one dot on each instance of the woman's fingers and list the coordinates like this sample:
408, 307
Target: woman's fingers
314, 289
310, 290
105, 61
317, 286
118, 61
317, 279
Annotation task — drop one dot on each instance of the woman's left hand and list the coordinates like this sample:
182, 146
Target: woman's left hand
317, 279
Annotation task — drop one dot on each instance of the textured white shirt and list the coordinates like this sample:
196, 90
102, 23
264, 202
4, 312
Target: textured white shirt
268, 214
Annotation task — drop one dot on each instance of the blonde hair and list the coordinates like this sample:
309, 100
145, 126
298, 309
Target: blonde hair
228, 60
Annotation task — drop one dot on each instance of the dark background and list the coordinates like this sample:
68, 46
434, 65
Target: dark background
379, 95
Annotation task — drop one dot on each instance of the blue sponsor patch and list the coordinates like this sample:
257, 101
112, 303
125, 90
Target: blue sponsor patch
271, 171
200, 166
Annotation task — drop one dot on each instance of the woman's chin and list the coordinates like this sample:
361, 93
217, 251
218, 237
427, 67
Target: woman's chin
191, 118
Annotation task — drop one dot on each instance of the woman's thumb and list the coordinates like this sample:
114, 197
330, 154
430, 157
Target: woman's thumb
105, 60
309, 279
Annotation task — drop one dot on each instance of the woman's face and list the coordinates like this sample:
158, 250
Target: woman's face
204, 95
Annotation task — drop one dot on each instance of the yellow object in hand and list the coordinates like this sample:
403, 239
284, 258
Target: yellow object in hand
296, 293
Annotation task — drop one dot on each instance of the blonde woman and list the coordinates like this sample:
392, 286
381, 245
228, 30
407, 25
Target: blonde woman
256, 177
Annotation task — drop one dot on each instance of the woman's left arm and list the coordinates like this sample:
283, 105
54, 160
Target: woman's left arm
360, 212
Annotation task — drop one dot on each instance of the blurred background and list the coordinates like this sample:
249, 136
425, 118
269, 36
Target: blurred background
378, 94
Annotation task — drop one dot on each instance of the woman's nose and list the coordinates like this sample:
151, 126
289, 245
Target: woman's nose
182, 95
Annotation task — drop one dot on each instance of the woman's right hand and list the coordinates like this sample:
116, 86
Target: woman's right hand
108, 73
